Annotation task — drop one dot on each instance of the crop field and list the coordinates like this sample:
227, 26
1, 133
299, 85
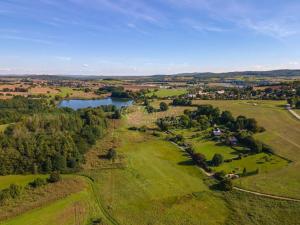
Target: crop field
138, 116
282, 133
162, 93
42, 90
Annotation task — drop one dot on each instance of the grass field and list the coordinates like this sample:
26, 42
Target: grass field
160, 185
162, 93
61, 203
148, 190
264, 162
22, 180
249, 209
76, 208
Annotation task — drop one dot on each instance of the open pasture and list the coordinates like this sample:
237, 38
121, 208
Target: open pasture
158, 182
22, 180
162, 93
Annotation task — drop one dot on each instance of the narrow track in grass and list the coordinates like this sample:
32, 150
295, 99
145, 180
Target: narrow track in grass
294, 114
267, 195
107, 215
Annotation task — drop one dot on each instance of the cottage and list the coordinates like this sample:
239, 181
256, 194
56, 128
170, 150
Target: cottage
232, 176
217, 132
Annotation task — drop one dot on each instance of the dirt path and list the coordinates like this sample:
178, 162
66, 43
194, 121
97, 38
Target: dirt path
267, 195
294, 114
107, 215
276, 197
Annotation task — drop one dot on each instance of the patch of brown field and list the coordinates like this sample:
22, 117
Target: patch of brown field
86, 95
43, 90
75, 213
13, 86
42, 196
96, 156
11, 94
138, 87
5, 97
139, 117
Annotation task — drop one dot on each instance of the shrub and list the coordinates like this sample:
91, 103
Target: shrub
226, 184
219, 175
111, 154
4, 196
54, 177
37, 182
217, 160
163, 106
14, 190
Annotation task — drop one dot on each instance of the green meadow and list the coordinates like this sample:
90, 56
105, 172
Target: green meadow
162, 93
282, 134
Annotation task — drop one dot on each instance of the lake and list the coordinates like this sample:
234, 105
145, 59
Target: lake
79, 103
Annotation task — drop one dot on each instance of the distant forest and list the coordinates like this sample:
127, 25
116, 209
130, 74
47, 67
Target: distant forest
271, 73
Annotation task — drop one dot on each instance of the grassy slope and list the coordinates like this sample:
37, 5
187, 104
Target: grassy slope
249, 209
79, 206
161, 93
158, 186
262, 161
283, 132
76, 207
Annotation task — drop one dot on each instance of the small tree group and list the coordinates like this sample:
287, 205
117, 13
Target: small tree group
163, 106
217, 160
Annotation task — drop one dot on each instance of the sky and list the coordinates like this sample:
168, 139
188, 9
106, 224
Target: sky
145, 37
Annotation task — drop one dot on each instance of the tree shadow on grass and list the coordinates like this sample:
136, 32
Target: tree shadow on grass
186, 163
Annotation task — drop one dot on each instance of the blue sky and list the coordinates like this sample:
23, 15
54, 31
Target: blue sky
139, 37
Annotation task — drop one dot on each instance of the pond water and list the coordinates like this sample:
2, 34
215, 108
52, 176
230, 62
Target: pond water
79, 103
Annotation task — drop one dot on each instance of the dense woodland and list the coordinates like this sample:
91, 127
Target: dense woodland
47, 138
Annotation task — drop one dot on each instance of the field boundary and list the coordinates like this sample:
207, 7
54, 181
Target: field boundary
267, 195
